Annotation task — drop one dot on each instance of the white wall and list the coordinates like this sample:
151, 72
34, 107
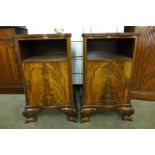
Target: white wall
76, 31
75, 16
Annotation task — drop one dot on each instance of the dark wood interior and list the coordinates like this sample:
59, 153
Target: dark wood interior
43, 49
110, 48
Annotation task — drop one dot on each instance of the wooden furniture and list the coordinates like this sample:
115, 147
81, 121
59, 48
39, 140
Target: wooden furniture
143, 80
47, 73
10, 77
108, 62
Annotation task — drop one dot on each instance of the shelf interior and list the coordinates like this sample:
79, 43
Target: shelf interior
110, 48
43, 49
45, 58
99, 56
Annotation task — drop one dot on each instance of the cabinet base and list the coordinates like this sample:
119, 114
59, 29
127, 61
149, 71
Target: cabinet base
31, 113
126, 110
127, 113
85, 114
11, 90
71, 112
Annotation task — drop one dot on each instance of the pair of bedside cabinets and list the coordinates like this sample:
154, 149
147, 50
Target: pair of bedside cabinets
46, 66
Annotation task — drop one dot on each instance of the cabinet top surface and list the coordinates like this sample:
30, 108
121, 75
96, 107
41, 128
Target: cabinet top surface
110, 35
16, 27
42, 36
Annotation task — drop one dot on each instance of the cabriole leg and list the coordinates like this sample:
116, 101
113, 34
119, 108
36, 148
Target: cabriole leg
31, 114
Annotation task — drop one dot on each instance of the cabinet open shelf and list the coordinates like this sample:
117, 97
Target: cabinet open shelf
43, 50
100, 49
101, 56
48, 58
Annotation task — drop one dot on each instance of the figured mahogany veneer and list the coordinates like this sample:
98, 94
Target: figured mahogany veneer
46, 69
108, 62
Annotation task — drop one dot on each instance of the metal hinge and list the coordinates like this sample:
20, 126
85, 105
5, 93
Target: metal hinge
28, 85
127, 83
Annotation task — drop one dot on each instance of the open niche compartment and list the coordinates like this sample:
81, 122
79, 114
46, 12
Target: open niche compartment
43, 50
110, 48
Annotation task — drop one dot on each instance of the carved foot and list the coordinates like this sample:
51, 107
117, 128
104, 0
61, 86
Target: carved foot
85, 114
127, 113
31, 115
71, 112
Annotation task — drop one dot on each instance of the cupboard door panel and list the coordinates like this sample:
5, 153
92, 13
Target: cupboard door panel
47, 84
9, 65
107, 82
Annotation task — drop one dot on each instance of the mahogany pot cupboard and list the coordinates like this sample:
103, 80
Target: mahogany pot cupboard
108, 60
10, 77
45, 62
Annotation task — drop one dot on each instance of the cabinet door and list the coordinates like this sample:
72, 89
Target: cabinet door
143, 80
47, 84
106, 82
9, 66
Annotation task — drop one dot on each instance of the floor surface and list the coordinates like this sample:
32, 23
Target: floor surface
11, 108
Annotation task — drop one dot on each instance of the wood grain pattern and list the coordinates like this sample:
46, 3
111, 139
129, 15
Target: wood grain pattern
6, 33
106, 82
9, 32
10, 79
9, 64
143, 83
47, 83
45, 61
107, 69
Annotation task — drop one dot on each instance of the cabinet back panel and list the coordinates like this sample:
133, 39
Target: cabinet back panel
43, 48
104, 47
